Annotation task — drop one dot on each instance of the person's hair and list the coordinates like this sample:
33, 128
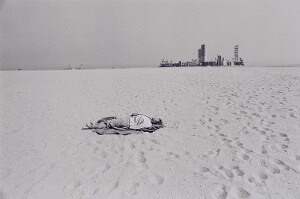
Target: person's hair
156, 121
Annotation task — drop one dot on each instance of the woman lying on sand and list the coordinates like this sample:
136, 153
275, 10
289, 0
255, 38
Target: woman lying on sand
137, 122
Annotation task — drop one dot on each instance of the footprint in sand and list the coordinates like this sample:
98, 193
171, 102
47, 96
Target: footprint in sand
216, 191
282, 164
106, 168
221, 172
284, 147
214, 110
217, 127
248, 150
104, 154
186, 153
283, 135
204, 169
262, 132
120, 159
226, 171
154, 141
96, 191
256, 115
174, 155
254, 182
224, 121
156, 179
93, 177
226, 140
242, 193
275, 170
272, 167
292, 115
222, 135
239, 144
115, 186
263, 176
202, 122
245, 157
213, 153
246, 132
72, 186
263, 150
141, 158
132, 146
238, 171
133, 188
121, 148
76, 185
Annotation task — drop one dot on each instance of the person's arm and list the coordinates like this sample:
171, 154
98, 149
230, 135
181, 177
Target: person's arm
106, 119
135, 114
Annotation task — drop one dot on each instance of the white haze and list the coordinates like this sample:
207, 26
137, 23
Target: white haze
54, 34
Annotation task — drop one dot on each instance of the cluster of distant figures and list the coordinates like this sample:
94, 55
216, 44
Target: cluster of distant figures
135, 123
74, 67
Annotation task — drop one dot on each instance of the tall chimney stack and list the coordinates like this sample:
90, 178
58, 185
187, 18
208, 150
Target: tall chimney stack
236, 53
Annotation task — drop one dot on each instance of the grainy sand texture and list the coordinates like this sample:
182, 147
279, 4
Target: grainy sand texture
231, 132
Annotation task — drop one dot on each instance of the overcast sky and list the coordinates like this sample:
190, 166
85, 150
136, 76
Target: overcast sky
56, 33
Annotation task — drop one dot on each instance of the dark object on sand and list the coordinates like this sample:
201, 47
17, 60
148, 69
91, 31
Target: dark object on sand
135, 123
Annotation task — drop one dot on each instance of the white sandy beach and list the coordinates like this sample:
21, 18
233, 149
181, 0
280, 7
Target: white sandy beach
230, 133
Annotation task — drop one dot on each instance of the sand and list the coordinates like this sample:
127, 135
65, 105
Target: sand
230, 133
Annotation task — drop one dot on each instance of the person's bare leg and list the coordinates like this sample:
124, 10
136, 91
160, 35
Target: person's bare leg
96, 126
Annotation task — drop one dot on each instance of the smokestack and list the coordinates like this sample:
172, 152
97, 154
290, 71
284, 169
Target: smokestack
199, 56
203, 52
236, 53
219, 60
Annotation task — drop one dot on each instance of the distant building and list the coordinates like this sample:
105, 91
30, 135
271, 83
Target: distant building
237, 61
219, 61
201, 54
